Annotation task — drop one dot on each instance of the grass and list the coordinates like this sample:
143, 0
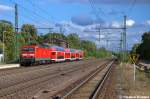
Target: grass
139, 87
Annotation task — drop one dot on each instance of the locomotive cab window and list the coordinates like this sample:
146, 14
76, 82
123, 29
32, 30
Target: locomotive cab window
28, 49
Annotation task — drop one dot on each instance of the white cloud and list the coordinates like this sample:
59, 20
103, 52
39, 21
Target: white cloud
130, 22
5, 8
115, 24
93, 36
148, 22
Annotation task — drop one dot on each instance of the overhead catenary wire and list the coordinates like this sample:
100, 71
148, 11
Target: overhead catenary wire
98, 17
34, 13
94, 10
99, 11
47, 13
27, 18
131, 8
31, 18
41, 9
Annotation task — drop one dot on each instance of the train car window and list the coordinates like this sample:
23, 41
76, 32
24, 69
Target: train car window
72, 56
60, 57
53, 53
28, 49
67, 54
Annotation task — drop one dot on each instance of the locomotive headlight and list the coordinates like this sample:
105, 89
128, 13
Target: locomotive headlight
28, 55
31, 55
24, 54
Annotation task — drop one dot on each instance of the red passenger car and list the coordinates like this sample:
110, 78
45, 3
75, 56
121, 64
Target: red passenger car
73, 54
58, 53
67, 55
81, 54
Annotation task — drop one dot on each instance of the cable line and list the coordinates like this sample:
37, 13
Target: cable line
40, 8
131, 8
30, 10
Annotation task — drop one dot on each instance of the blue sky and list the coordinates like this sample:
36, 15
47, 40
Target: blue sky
78, 16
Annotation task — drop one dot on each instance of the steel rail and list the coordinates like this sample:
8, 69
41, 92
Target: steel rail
69, 70
95, 94
53, 75
99, 68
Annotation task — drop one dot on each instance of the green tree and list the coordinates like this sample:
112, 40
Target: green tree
89, 47
74, 40
1, 47
40, 39
51, 37
102, 53
134, 48
55, 35
6, 28
144, 48
29, 33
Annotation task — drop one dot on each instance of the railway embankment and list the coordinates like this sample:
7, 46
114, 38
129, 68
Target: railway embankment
128, 87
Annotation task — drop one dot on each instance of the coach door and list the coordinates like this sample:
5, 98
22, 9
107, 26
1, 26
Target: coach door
60, 55
54, 55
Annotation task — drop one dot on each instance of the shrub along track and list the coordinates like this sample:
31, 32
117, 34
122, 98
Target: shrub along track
25, 83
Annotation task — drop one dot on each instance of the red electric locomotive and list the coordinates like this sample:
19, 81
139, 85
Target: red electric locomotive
34, 54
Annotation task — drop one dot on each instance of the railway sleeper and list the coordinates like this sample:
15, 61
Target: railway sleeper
88, 88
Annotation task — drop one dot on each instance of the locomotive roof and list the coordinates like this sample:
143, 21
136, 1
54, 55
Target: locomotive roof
57, 48
29, 46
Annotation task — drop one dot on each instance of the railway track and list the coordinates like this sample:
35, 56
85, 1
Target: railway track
4, 72
91, 87
22, 81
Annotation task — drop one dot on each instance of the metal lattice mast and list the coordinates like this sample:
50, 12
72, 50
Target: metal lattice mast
16, 31
99, 31
124, 39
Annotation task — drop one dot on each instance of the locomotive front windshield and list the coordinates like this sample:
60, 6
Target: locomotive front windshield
28, 49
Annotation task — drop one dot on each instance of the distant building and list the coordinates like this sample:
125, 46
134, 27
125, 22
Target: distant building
59, 42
